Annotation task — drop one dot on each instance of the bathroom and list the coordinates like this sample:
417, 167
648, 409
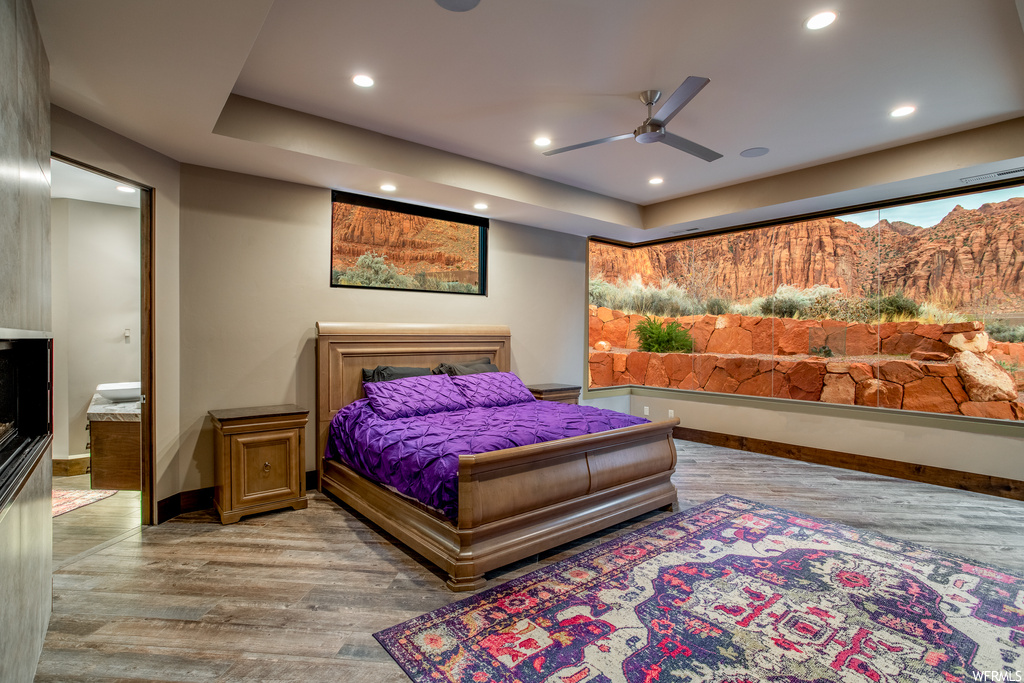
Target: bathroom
96, 293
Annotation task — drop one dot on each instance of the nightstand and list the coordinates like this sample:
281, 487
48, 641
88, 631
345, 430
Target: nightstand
562, 393
260, 460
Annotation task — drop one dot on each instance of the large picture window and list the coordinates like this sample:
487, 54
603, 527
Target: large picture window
381, 244
912, 307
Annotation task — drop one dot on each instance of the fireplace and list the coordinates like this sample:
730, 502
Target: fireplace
26, 414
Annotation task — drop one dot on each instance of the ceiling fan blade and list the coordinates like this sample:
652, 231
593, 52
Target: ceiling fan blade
679, 99
587, 144
690, 147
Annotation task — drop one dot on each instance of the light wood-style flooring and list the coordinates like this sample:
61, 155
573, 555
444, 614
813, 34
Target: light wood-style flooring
296, 595
82, 531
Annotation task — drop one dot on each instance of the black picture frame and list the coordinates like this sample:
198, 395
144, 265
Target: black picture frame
379, 243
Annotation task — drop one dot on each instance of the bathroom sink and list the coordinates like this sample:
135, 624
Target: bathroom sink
120, 392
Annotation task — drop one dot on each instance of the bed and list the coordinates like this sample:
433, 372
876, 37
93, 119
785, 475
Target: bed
512, 503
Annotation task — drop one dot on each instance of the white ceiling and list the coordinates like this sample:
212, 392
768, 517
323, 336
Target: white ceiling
482, 84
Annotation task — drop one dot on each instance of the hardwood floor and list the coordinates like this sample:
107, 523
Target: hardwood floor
296, 595
85, 529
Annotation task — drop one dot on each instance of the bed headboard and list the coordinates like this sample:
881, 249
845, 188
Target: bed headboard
344, 349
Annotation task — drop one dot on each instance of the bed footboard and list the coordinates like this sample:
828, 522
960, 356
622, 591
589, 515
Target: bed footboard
518, 502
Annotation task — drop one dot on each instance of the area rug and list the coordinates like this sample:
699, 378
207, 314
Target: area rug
730, 591
66, 500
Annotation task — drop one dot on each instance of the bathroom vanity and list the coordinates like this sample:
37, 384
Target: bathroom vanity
116, 443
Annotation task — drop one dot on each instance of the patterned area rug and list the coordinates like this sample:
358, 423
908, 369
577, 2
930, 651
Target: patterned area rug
66, 500
730, 591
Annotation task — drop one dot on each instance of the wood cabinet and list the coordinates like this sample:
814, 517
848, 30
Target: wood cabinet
116, 455
259, 460
562, 393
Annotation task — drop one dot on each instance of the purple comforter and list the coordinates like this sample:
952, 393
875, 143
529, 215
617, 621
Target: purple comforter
418, 456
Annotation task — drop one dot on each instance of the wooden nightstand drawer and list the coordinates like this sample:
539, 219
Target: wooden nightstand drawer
265, 469
260, 459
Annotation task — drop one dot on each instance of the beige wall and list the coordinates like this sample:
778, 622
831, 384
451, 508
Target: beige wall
255, 263
96, 297
25, 524
989, 447
88, 143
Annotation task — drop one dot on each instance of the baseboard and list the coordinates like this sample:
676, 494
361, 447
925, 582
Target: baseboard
186, 501
71, 467
966, 481
200, 499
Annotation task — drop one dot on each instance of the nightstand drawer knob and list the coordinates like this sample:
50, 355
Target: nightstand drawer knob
266, 467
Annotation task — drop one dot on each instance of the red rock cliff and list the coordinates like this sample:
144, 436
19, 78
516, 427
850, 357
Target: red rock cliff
973, 256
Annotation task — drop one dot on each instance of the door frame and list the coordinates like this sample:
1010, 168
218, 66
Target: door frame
148, 308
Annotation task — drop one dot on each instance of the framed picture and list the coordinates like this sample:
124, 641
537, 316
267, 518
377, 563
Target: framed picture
382, 244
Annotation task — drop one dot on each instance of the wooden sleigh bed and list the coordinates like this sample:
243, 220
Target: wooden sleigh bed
513, 503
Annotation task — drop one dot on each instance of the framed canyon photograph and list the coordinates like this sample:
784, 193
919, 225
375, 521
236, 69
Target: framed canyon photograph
382, 244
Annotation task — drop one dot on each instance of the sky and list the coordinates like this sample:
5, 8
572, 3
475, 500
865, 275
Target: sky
927, 214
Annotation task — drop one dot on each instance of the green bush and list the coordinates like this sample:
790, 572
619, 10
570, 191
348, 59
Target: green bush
657, 337
823, 351
372, 270
667, 299
1000, 330
717, 306
895, 307
782, 306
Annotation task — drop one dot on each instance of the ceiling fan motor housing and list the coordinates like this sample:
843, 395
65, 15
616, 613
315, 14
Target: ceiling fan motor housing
649, 132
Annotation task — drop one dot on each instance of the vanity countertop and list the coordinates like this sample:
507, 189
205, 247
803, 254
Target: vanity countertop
105, 410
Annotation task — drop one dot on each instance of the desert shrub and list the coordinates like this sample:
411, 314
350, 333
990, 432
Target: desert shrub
1000, 330
895, 306
657, 337
667, 299
823, 351
837, 307
373, 270
931, 313
782, 306
788, 301
717, 306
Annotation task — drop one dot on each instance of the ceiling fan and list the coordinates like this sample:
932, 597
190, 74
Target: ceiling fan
653, 128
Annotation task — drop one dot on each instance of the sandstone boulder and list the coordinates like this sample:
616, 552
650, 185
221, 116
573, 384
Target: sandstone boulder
983, 379
600, 369
1000, 410
839, 389
928, 394
730, 340
969, 341
603, 346
877, 392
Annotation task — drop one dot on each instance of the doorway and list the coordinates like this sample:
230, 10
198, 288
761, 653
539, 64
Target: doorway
102, 286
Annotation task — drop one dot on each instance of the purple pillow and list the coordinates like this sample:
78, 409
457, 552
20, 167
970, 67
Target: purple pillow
489, 389
411, 396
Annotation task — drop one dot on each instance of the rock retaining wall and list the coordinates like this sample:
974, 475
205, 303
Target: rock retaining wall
733, 333
946, 368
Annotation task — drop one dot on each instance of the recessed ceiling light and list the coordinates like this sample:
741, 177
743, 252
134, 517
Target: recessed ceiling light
458, 5
542, 142
820, 20
656, 181
388, 187
362, 80
754, 152
480, 206
902, 111
125, 188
